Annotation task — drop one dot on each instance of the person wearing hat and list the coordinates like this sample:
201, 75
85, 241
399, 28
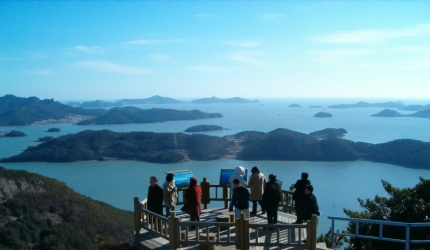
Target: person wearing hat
271, 197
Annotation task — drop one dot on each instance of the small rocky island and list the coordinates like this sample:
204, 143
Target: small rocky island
294, 105
51, 130
323, 115
13, 133
203, 128
388, 113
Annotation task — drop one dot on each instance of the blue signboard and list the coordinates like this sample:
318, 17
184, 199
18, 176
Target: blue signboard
225, 175
182, 178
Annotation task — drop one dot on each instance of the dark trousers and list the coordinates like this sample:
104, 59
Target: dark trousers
254, 207
194, 218
299, 206
272, 213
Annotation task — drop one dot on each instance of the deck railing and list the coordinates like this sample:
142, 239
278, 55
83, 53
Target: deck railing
407, 240
236, 232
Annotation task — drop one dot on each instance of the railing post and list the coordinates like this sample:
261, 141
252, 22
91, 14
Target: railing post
238, 229
314, 231
173, 230
206, 194
137, 215
245, 232
332, 234
225, 196
308, 235
408, 236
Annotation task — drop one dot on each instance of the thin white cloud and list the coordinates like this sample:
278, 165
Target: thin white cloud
159, 58
36, 55
41, 72
89, 50
148, 41
249, 57
412, 49
248, 44
336, 55
372, 36
272, 16
207, 68
208, 16
109, 67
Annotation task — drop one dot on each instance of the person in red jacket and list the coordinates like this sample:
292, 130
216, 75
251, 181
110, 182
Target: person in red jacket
193, 197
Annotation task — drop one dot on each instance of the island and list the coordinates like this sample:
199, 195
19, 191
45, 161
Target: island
277, 145
388, 113
128, 115
98, 104
323, 115
203, 128
398, 104
214, 99
329, 133
156, 99
415, 107
52, 130
392, 113
18, 111
294, 105
13, 133
45, 213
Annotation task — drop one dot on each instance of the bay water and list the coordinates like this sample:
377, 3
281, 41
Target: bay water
337, 184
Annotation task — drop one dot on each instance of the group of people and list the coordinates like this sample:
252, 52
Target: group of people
267, 193
168, 194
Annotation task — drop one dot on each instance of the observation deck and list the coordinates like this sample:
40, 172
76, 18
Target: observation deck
219, 229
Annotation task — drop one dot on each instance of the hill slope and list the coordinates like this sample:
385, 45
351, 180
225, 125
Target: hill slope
18, 111
136, 115
42, 213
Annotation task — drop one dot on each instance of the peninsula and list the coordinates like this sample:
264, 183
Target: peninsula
277, 145
127, 115
214, 99
18, 111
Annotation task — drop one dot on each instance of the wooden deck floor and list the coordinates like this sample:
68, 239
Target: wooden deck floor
148, 240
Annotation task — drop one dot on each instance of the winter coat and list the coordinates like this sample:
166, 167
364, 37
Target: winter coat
169, 194
240, 198
310, 206
155, 199
193, 197
239, 172
299, 193
256, 184
272, 193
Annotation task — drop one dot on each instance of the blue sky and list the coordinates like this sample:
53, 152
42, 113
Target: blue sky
107, 50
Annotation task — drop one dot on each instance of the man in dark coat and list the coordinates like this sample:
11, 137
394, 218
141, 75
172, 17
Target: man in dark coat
240, 199
155, 196
271, 197
311, 205
299, 196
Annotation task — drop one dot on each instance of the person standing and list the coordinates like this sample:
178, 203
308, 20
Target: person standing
271, 197
193, 196
299, 196
239, 172
240, 199
155, 196
256, 183
310, 203
169, 193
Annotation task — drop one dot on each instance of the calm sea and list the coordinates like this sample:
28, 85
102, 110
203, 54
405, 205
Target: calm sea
337, 185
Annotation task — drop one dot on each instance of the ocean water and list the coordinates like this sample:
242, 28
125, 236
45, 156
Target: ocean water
337, 184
